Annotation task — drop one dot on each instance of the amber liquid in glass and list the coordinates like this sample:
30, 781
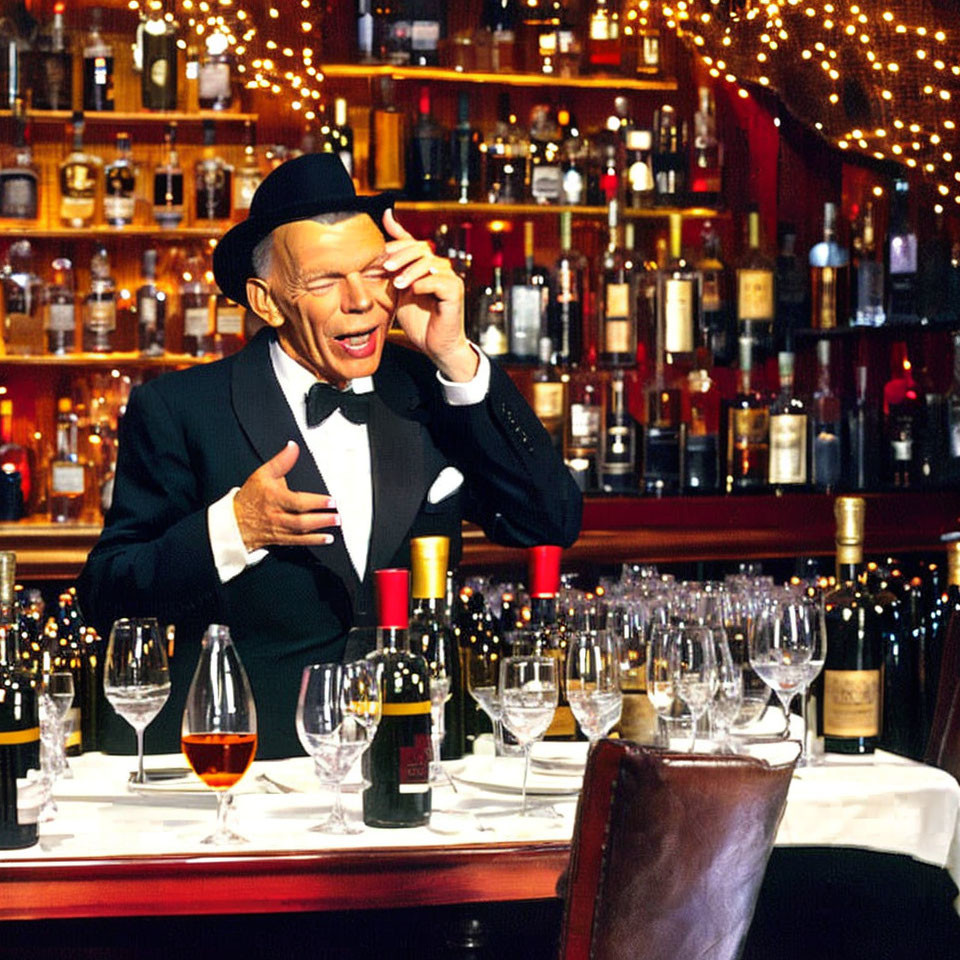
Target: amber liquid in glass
219, 759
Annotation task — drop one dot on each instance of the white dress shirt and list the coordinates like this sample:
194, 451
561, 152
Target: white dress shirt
341, 451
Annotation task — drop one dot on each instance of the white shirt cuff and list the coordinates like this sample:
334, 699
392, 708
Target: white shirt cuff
473, 391
230, 554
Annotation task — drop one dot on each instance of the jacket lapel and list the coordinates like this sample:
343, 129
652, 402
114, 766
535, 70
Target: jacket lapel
265, 418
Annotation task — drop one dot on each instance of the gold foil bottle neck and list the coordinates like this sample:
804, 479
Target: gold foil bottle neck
849, 513
8, 576
953, 562
429, 557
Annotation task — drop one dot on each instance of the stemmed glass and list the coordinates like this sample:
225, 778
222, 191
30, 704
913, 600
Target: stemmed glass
812, 609
438, 652
483, 677
338, 710
529, 693
218, 734
661, 689
61, 689
136, 676
725, 706
693, 661
593, 682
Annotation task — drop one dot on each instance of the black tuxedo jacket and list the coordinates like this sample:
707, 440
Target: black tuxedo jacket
188, 437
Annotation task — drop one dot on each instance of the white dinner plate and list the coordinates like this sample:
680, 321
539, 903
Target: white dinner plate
558, 758
505, 775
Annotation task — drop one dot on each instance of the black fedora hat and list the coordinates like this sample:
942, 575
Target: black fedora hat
298, 189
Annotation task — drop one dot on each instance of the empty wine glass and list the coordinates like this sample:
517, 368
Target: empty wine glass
218, 734
725, 706
813, 609
529, 693
338, 709
593, 682
436, 644
693, 662
483, 678
661, 689
136, 676
61, 689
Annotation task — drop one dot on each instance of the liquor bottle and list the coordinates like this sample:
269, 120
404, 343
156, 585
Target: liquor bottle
16, 461
829, 283
662, 436
826, 430
213, 76
870, 310
584, 423
505, 154
850, 704
748, 431
499, 22
492, 315
366, 52
428, 27
48, 68
465, 169
22, 320
755, 291
168, 184
20, 787
427, 168
249, 175
678, 300
717, 329
549, 395
387, 138
574, 163
342, 134
789, 422
79, 173
197, 309
932, 444
558, 46
158, 56
638, 145
951, 471
618, 457
151, 308
567, 297
430, 630
793, 307
604, 43
19, 178
617, 332
863, 439
120, 183
59, 308
901, 258
213, 179
97, 66
100, 305
706, 167
669, 159
399, 756
902, 422
67, 473
528, 303
228, 319
701, 447
546, 169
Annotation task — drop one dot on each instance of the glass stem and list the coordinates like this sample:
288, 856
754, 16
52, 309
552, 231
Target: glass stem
224, 802
526, 770
803, 715
693, 738
140, 777
785, 701
336, 814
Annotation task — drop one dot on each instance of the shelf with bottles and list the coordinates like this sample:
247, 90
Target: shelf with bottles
100, 232
132, 117
125, 359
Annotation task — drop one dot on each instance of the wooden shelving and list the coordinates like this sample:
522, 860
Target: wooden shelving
102, 231
541, 209
113, 117
105, 360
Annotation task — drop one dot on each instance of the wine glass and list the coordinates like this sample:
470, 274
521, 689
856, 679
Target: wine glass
693, 661
483, 677
136, 677
725, 706
61, 690
218, 734
529, 693
437, 648
337, 713
813, 610
661, 687
593, 682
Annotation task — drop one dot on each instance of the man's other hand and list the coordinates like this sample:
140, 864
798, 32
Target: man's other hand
268, 512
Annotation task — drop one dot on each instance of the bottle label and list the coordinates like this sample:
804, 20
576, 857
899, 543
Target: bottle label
751, 426
851, 703
148, 312
755, 294
230, 320
214, 81
903, 253
196, 321
547, 182
617, 301
76, 208
61, 318
118, 208
102, 315
585, 424
160, 72
526, 304
414, 761
826, 316
548, 400
424, 35
788, 448
19, 197
617, 335
710, 298
678, 316
572, 186
902, 449
67, 478
493, 341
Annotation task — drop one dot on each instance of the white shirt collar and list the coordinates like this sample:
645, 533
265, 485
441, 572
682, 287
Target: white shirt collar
300, 379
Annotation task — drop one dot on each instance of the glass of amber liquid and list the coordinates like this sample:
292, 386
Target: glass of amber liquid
219, 730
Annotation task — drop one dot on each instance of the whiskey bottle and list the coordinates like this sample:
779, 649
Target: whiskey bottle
618, 459
151, 308
901, 258
79, 173
669, 157
427, 169
67, 473
529, 299
97, 66
788, 433
567, 297
48, 68
748, 431
584, 423
870, 310
604, 50
168, 184
249, 174
213, 179
755, 290
829, 282
706, 168
678, 300
214, 89
120, 182
341, 134
826, 428
100, 306
492, 318
505, 154
197, 309
718, 327
549, 395
158, 55
22, 321
387, 139
59, 308
19, 178
546, 171
617, 334
701, 448
465, 169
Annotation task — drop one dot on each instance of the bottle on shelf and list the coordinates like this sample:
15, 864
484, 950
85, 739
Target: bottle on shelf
678, 300
465, 168
59, 308
748, 431
558, 45
79, 174
662, 435
717, 329
870, 310
387, 141
213, 179
789, 430
584, 425
428, 166
366, 51
428, 27
492, 314
701, 447
214, 89
546, 168
228, 320
100, 305
574, 160
151, 308
901, 258
549, 395
22, 317
19, 177
862, 437
567, 298
793, 307
826, 426
505, 155
48, 67
120, 184
528, 302
196, 309
604, 43
618, 457
97, 66
168, 184
829, 283
850, 703
157, 41
617, 303
755, 291
638, 145
249, 174
17, 465
398, 759
68, 475
902, 422
341, 134
21, 791
669, 159
706, 167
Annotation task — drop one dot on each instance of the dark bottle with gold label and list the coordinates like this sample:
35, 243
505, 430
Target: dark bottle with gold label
748, 431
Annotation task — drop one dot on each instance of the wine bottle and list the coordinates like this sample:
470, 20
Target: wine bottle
755, 290
788, 433
399, 756
151, 308
678, 300
826, 426
617, 334
862, 437
829, 284
850, 705
549, 395
120, 183
669, 157
701, 449
429, 558
158, 56
604, 44
528, 302
15, 459
618, 459
492, 318
546, 169
706, 169
427, 168
718, 329
902, 422
567, 296
748, 431
97, 66
584, 424
793, 308
59, 308
20, 789
901, 258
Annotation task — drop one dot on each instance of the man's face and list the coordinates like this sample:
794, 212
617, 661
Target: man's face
336, 299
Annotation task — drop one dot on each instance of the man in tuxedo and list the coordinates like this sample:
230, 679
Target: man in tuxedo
262, 491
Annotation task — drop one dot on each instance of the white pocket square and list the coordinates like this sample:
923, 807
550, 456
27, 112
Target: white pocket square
448, 481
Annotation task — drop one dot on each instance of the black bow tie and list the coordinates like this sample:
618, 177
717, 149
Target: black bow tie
322, 400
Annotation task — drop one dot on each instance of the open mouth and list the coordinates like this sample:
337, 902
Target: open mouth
360, 344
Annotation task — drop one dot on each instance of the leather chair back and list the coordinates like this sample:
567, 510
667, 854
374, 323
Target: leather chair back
668, 854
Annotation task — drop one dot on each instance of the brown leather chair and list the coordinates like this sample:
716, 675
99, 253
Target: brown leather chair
943, 745
668, 854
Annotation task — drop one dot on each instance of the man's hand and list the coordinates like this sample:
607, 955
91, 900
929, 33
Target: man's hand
429, 302
268, 512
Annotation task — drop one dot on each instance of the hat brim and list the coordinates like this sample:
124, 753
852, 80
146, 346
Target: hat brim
233, 255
